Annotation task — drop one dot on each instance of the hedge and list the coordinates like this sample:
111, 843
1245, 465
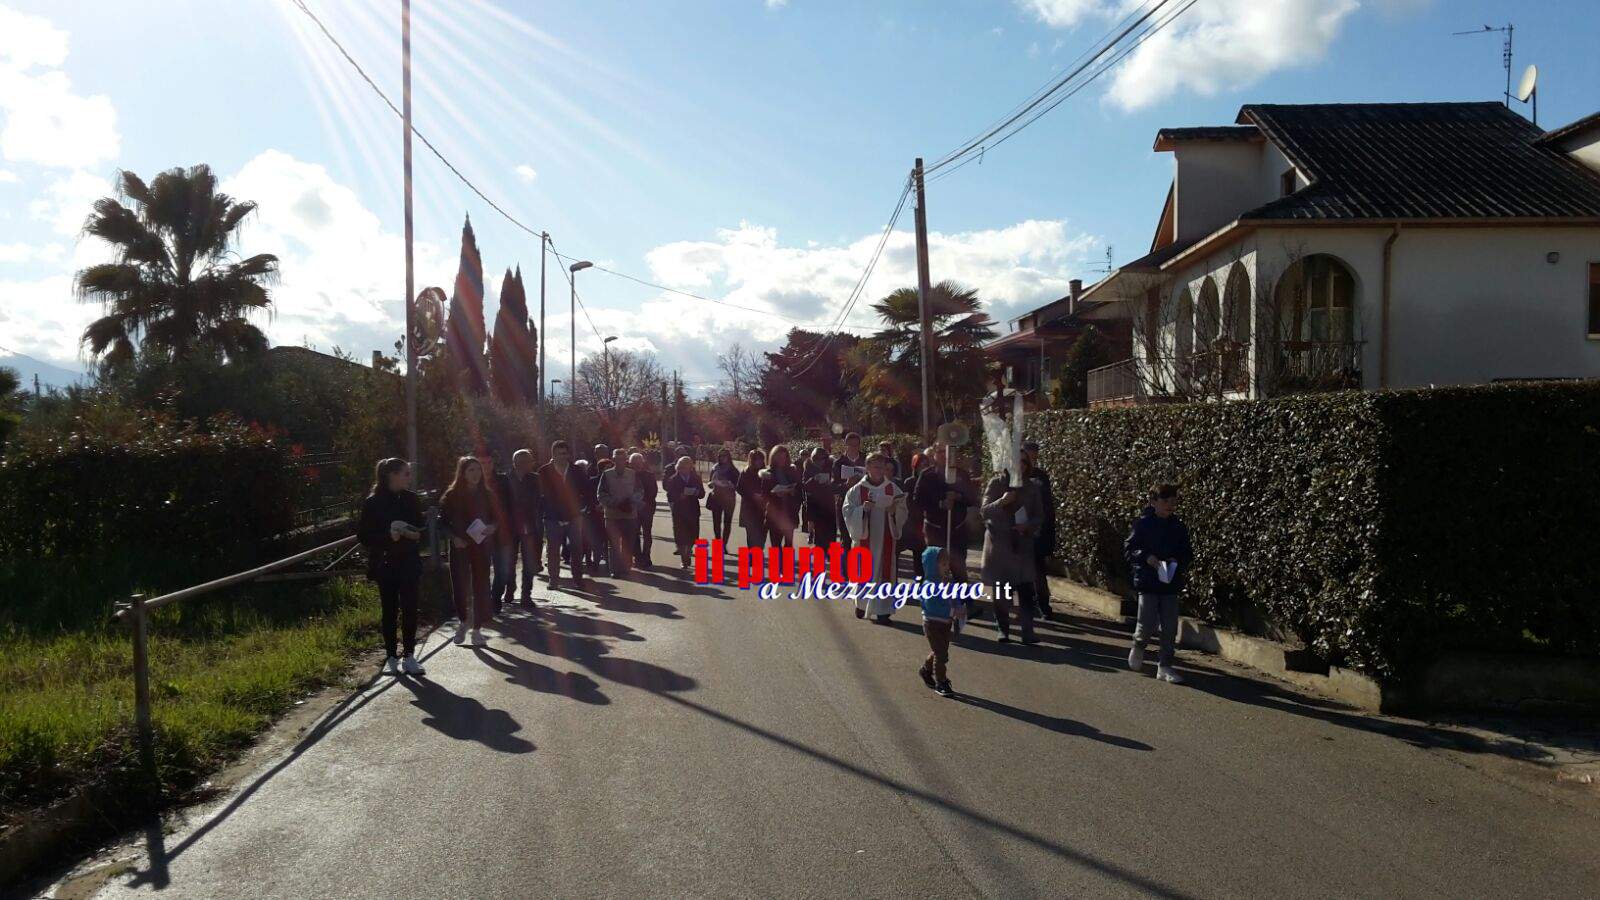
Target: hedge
1379, 528
179, 489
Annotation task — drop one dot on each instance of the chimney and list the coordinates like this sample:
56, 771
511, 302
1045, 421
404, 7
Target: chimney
377, 359
1076, 288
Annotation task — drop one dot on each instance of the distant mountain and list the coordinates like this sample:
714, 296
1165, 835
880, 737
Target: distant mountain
50, 376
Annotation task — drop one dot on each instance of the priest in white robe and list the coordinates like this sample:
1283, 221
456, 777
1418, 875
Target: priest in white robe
874, 512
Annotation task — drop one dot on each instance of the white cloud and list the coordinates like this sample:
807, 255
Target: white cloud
340, 269
25, 253
777, 4
1218, 45
526, 173
45, 121
8, 177
42, 318
1013, 268
66, 202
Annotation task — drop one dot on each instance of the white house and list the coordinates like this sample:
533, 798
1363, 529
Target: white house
1364, 245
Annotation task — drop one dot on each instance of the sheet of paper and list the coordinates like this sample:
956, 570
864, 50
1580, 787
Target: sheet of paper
1168, 568
477, 531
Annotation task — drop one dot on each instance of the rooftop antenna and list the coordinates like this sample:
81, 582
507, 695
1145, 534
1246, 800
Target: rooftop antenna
1505, 52
1529, 90
1109, 268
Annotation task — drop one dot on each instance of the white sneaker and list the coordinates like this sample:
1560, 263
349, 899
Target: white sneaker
461, 635
477, 638
1169, 675
410, 666
1136, 658
391, 666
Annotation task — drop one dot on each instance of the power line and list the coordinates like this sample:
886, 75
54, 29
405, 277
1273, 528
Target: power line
495, 206
861, 283
673, 290
978, 144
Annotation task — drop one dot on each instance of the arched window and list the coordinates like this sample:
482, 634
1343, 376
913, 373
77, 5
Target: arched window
1316, 301
1236, 314
1184, 343
1207, 316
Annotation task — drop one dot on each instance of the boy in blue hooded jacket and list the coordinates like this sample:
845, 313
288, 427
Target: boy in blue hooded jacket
939, 618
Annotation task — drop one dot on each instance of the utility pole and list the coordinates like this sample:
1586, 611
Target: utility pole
411, 316
923, 289
544, 241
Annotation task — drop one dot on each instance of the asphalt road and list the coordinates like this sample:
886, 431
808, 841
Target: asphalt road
660, 738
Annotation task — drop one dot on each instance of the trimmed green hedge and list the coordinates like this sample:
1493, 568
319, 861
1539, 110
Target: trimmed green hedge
1378, 528
178, 489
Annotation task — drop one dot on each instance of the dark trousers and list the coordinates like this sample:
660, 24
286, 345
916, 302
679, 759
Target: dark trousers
755, 535
647, 528
624, 537
530, 547
503, 562
398, 593
469, 580
1041, 577
938, 635
722, 523
824, 530
594, 541
936, 536
780, 537
568, 537
1023, 599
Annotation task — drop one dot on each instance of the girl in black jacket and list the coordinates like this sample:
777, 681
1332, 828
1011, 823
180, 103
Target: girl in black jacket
391, 529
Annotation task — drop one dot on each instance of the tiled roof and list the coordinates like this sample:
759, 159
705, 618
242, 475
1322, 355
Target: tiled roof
1166, 137
1421, 161
1586, 123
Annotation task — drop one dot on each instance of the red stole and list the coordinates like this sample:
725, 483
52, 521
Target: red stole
888, 533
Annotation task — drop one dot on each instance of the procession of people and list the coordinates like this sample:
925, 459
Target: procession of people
598, 514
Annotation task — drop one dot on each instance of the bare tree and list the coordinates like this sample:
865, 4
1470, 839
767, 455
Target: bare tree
618, 380
742, 371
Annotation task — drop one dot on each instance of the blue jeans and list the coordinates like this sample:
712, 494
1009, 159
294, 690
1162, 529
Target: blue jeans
1158, 611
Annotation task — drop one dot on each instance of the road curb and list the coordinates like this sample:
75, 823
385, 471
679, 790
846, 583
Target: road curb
1271, 657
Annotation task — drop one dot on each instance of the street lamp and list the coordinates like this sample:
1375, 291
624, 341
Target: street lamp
605, 350
572, 382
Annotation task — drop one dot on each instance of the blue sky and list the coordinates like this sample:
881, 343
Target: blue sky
745, 149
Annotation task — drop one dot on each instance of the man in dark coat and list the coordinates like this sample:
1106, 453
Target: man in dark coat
563, 489
503, 556
849, 468
1159, 553
527, 519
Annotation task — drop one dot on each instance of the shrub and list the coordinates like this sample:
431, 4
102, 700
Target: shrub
176, 488
1379, 528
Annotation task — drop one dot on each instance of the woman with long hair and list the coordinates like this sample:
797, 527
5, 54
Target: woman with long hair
390, 528
753, 500
467, 510
724, 478
684, 490
780, 480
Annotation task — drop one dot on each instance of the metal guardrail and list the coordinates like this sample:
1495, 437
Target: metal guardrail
135, 613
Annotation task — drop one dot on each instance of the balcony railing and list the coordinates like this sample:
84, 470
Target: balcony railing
1287, 367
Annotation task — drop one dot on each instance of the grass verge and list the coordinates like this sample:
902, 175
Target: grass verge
222, 667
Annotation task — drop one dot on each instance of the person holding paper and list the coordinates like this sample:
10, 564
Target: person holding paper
817, 474
1159, 553
874, 513
753, 500
849, 468
780, 481
618, 493
468, 511
722, 500
945, 506
390, 528
684, 490
645, 467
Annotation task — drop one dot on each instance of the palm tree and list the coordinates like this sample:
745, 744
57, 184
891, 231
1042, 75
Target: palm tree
174, 284
890, 362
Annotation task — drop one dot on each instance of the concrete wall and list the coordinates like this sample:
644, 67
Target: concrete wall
1218, 180
1468, 305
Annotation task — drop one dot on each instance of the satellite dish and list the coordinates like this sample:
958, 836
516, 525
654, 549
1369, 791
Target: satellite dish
1530, 81
953, 434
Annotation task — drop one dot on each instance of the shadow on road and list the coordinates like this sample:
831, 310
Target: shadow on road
529, 674
155, 845
1053, 723
465, 718
1110, 869
593, 654
606, 596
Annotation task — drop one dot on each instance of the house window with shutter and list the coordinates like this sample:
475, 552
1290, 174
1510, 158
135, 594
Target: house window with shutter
1594, 300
